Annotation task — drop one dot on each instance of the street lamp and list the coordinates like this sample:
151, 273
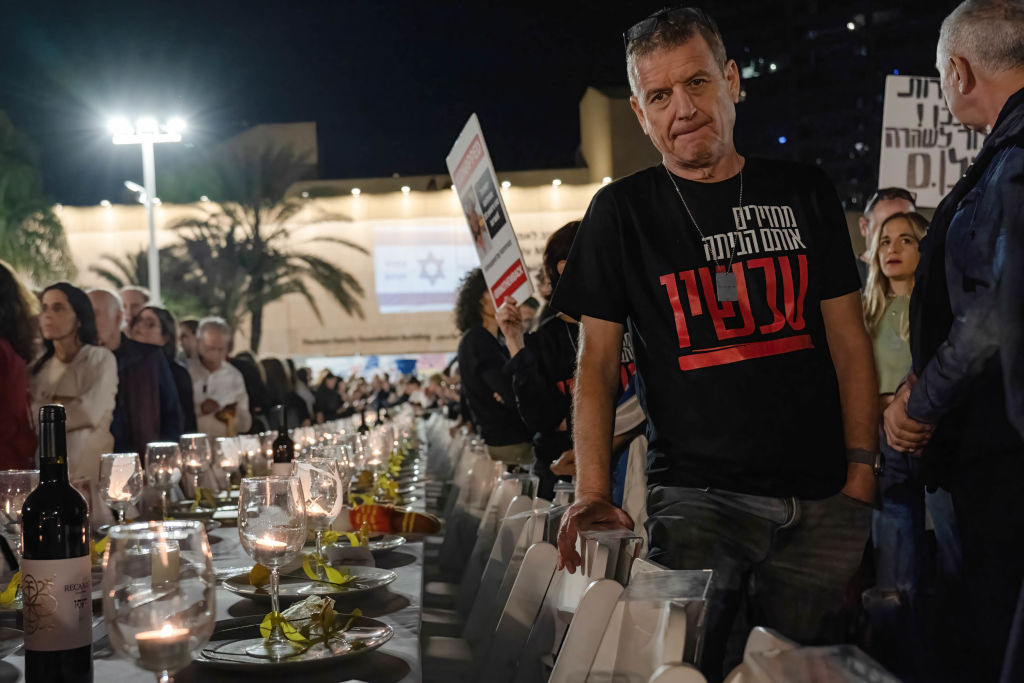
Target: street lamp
147, 132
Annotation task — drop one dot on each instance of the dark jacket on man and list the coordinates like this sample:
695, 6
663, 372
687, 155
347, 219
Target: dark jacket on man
147, 407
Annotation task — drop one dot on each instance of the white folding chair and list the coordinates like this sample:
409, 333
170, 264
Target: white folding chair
586, 626
761, 639
634, 492
447, 659
677, 673
654, 624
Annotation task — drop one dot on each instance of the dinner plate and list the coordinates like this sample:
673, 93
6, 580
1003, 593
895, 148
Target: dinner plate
227, 651
378, 546
296, 585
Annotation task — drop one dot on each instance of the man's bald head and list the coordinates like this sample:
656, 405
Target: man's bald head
106, 304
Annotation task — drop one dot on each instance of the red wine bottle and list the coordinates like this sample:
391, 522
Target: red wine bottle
284, 447
56, 570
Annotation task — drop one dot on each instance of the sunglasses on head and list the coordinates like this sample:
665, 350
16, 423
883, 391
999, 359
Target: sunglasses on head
890, 193
646, 27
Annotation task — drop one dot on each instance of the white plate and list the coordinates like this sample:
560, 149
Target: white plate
296, 585
384, 544
365, 635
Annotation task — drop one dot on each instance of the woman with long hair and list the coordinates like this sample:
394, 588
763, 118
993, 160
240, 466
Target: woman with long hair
487, 387
18, 309
898, 530
78, 374
156, 326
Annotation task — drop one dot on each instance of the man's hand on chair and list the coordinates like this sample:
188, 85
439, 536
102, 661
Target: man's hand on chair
587, 513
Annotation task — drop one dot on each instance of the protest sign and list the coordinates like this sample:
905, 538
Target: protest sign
501, 259
924, 149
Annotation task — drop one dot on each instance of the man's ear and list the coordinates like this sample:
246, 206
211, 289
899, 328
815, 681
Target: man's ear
963, 74
638, 110
862, 223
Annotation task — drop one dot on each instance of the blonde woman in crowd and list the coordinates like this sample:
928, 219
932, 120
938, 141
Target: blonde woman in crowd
901, 548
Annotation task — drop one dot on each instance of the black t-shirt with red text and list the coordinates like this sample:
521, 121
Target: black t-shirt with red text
740, 395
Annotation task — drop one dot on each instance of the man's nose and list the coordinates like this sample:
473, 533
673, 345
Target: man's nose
685, 106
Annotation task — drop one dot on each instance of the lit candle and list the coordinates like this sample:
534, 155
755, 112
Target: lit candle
166, 563
269, 551
165, 649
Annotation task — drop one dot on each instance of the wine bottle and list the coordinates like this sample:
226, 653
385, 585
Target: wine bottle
284, 447
56, 569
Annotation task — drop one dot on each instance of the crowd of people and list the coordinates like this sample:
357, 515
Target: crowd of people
817, 423
821, 424
128, 374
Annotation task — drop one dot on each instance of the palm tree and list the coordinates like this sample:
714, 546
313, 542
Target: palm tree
32, 238
182, 294
243, 247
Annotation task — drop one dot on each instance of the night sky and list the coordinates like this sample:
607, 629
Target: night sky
389, 83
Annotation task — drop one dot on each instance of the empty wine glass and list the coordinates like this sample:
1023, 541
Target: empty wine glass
195, 456
272, 530
163, 467
121, 482
324, 495
159, 594
15, 485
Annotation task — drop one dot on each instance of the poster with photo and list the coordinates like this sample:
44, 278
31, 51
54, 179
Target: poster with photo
496, 244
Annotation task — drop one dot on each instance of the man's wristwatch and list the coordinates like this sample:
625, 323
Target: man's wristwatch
865, 457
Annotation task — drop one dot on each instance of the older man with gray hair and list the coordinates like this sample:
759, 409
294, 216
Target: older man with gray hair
963, 408
147, 407
736, 279
222, 405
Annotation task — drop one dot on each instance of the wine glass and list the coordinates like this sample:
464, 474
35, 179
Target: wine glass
15, 485
272, 530
163, 466
121, 481
195, 456
159, 594
324, 496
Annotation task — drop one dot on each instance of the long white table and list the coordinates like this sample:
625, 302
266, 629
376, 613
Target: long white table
398, 604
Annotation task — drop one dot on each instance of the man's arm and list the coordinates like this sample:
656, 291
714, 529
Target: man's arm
850, 346
597, 378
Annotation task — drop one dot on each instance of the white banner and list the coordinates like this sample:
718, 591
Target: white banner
417, 265
924, 149
472, 172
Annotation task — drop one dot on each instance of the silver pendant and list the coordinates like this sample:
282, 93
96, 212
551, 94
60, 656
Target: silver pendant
725, 287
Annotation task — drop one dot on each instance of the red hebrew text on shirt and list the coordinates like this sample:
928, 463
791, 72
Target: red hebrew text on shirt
756, 325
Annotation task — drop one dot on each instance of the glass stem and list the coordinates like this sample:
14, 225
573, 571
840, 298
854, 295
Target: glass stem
121, 512
319, 547
195, 484
164, 495
276, 632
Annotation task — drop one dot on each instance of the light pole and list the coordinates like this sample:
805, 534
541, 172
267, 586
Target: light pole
147, 132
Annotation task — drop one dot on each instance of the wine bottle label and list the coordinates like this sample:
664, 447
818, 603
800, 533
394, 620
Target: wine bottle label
57, 599
281, 469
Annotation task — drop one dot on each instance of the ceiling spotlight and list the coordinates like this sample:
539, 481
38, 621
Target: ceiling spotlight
606, 180
105, 203
505, 184
773, 67
556, 182
850, 26
204, 198
356, 192
406, 189
305, 195
782, 139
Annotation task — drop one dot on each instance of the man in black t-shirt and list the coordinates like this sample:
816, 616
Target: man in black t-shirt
737, 282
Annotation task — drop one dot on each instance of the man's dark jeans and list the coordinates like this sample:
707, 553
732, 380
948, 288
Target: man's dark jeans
787, 560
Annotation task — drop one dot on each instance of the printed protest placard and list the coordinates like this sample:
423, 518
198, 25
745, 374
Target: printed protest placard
501, 259
924, 149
